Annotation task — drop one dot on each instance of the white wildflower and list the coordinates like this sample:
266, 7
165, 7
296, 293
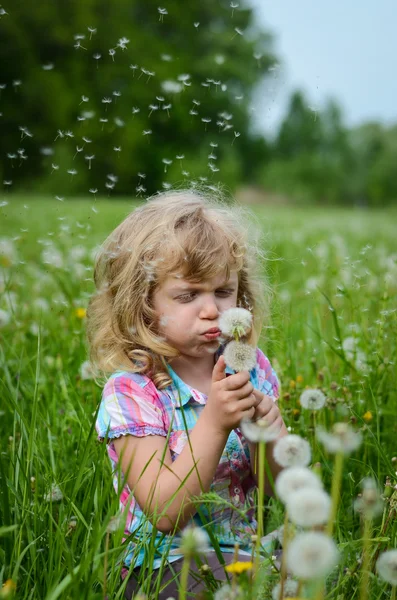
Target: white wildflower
342, 439
54, 495
239, 356
235, 322
259, 431
292, 451
194, 540
312, 399
87, 370
290, 589
311, 555
5, 318
369, 503
386, 566
308, 507
293, 479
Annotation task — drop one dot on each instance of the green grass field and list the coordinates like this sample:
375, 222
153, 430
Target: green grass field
333, 325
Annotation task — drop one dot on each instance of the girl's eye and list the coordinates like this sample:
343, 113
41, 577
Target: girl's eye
224, 293
186, 297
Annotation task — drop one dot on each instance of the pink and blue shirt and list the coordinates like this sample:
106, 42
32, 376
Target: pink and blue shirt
132, 405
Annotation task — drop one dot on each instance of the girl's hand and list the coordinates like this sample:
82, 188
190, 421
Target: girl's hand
231, 398
266, 408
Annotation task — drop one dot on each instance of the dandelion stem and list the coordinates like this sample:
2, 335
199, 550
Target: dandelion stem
393, 593
261, 498
366, 558
283, 569
184, 578
336, 481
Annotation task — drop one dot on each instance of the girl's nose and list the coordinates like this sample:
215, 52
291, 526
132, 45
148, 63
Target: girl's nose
209, 308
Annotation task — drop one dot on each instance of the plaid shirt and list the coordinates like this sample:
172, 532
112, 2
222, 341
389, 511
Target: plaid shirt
132, 405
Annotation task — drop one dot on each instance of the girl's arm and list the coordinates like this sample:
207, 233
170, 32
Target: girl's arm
163, 488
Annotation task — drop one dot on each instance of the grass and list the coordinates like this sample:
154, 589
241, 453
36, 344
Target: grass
333, 325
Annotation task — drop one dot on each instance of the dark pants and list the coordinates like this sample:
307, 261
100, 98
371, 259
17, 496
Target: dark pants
198, 580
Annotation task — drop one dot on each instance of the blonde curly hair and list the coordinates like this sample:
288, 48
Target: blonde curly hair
185, 233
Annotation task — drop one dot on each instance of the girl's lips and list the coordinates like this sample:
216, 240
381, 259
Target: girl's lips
212, 334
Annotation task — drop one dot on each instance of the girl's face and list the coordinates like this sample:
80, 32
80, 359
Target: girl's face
186, 312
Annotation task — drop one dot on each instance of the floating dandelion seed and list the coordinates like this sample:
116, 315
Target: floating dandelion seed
122, 43
106, 101
312, 399
84, 99
233, 6
238, 32
386, 566
78, 45
72, 172
236, 135
54, 167
135, 110
112, 52
133, 69
97, 56
193, 112
311, 555
59, 198
78, 149
292, 451
196, 24
93, 191
166, 57
162, 12
87, 370
103, 121
167, 107
92, 31
293, 479
117, 149
69, 134
206, 120
153, 107
89, 158
47, 67
167, 162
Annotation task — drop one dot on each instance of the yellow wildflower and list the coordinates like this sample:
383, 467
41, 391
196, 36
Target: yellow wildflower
299, 379
367, 416
292, 384
80, 313
239, 567
8, 589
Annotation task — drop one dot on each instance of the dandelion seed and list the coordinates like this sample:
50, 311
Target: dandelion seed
78, 149
72, 172
117, 149
308, 507
260, 430
59, 198
47, 67
196, 24
386, 566
122, 43
311, 555
84, 99
292, 451
92, 31
343, 439
162, 12
238, 32
293, 479
93, 191
312, 399
152, 108
78, 45
54, 167
112, 53
233, 6
235, 322
89, 158
135, 110
87, 370
236, 135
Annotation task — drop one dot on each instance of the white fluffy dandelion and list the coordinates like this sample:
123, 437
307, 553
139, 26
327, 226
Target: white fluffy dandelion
226, 592
369, 503
290, 589
293, 479
308, 507
259, 431
239, 356
235, 322
386, 566
54, 495
87, 370
342, 439
311, 555
312, 399
194, 540
5, 318
292, 451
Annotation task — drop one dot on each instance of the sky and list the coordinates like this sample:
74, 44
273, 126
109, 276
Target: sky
346, 50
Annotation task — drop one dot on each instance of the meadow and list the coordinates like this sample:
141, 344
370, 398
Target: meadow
332, 326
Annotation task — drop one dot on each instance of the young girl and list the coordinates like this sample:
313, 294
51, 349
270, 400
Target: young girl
170, 410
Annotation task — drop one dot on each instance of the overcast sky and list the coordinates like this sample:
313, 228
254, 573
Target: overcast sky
337, 48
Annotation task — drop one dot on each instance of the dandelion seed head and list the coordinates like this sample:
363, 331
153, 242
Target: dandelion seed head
239, 356
290, 589
369, 503
235, 322
259, 431
386, 566
312, 399
194, 540
308, 507
293, 479
311, 555
292, 451
342, 439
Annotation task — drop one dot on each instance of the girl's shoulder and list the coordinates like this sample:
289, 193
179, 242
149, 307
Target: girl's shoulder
129, 384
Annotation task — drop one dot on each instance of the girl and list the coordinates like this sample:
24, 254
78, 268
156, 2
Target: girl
170, 411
